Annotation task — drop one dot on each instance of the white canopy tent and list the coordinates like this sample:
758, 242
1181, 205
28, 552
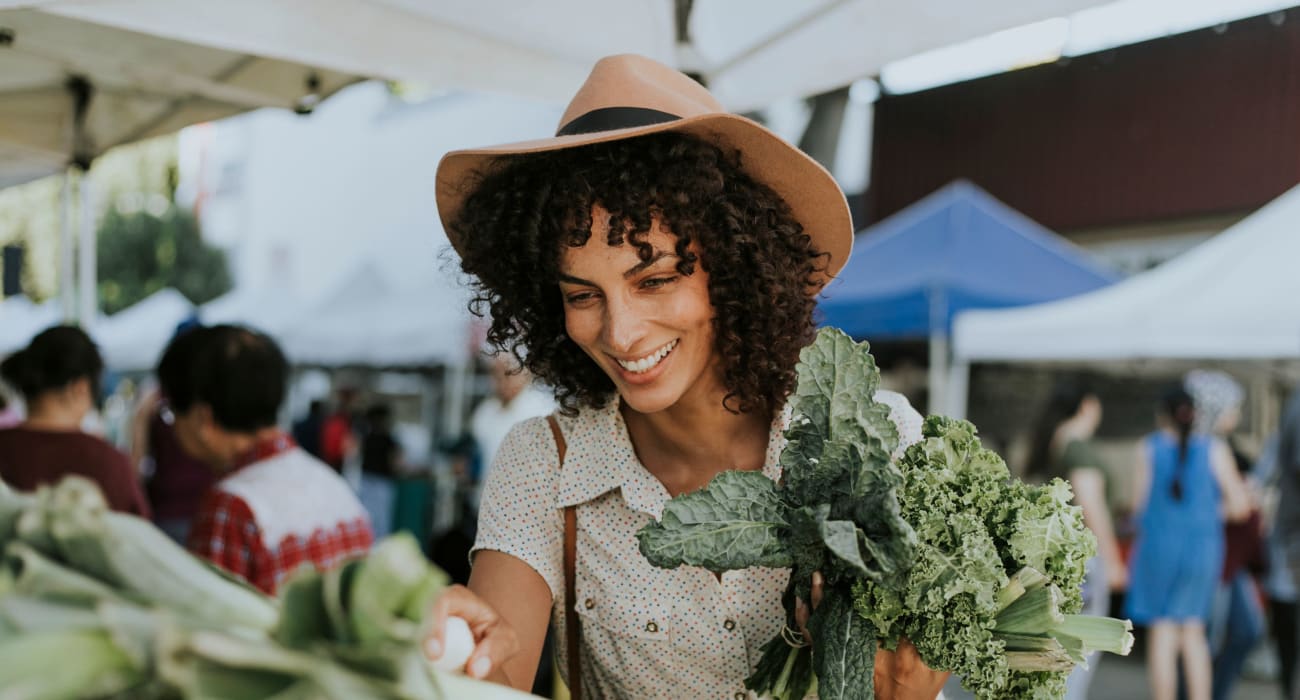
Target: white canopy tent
72, 87
1234, 297
20, 319
373, 321
751, 52
133, 338
267, 311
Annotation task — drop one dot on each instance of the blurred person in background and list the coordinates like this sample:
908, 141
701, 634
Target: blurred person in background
274, 507
1287, 523
381, 463
1237, 619
1063, 448
307, 429
1277, 583
58, 375
514, 398
175, 482
1185, 485
338, 437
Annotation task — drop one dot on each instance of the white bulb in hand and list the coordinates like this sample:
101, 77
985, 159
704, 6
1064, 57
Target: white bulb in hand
457, 645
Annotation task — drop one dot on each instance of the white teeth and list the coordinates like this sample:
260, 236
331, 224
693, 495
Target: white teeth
647, 363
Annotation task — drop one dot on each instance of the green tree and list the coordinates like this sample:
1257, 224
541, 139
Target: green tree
141, 253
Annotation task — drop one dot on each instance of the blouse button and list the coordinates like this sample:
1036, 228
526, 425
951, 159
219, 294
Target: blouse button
729, 625
589, 603
741, 695
651, 627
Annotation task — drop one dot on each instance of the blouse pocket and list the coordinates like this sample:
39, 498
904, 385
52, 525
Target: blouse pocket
629, 617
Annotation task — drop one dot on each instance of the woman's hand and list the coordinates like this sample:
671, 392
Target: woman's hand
494, 638
902, 675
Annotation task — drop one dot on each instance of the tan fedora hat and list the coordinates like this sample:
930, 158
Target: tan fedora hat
629, 95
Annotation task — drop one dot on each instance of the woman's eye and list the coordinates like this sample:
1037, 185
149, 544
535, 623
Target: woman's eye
656, 282
579, 298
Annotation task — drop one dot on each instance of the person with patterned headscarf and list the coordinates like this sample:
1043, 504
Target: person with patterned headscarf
1237, 620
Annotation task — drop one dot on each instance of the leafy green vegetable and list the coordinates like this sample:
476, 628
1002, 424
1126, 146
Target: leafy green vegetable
919, 548
836, 511
99, 604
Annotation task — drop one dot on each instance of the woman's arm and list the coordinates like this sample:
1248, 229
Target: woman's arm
508, 607
1236, 500
1141, 478
1090, 492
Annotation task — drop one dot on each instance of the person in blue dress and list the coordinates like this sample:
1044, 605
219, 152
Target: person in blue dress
1186, 485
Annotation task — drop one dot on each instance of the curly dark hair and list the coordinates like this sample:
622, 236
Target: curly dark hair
763, 269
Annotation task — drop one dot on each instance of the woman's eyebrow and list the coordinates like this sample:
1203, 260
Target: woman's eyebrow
659, 255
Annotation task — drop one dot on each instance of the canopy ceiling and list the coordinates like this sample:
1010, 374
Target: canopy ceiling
72, 88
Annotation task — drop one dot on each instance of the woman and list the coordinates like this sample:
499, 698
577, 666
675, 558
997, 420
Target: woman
57, 374
656, 264
1063, 449
1237, 620
1186, 485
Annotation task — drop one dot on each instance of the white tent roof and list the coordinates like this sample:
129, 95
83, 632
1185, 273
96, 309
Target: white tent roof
751, 52
134, 338
267, 310
72, 87
1236, 296
20, 319
373, 321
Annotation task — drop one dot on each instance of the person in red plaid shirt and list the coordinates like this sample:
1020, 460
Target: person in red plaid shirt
275, 506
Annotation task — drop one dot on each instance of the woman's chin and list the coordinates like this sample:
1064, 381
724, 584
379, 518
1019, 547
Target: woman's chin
648, 399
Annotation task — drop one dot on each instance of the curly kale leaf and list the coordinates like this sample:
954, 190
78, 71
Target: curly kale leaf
737, 521
1049, 535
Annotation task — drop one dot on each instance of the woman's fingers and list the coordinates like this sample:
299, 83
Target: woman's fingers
801, 610
902, 675
494, 640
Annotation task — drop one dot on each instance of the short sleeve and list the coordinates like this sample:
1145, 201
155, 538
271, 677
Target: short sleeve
518, 515
906, 419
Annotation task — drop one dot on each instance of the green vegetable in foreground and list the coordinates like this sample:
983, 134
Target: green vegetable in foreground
942, 546
100, 604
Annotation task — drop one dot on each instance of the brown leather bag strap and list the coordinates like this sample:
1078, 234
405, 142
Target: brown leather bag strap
572, 630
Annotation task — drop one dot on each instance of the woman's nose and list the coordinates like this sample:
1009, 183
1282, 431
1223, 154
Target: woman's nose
624, 324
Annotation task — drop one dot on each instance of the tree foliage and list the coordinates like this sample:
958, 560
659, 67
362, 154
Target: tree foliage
141, 253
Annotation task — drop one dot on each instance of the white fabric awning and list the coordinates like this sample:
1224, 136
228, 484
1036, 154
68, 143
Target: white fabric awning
751, 52
72, 88
1236, 296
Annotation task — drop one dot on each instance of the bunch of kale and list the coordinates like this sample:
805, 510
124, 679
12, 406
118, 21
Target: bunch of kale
943, 547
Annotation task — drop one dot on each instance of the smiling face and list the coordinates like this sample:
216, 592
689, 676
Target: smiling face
644, 323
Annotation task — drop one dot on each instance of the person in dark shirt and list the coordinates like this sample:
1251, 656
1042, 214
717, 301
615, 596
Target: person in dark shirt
57, 375
308, 430
381, 457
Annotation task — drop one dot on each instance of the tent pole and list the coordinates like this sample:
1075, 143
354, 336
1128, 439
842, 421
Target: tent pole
87, 254
958, 388
938, 371
67, 266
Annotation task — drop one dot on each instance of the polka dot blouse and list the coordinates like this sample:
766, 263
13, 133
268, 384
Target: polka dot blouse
646, 632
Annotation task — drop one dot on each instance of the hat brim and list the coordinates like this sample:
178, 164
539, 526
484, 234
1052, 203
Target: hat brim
814, 198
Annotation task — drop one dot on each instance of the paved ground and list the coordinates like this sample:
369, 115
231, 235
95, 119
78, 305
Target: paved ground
1125, 679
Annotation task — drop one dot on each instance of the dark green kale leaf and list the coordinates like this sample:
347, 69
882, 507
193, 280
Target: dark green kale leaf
737, 521
844, 653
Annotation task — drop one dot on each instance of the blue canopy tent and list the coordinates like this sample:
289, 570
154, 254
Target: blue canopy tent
957, 249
